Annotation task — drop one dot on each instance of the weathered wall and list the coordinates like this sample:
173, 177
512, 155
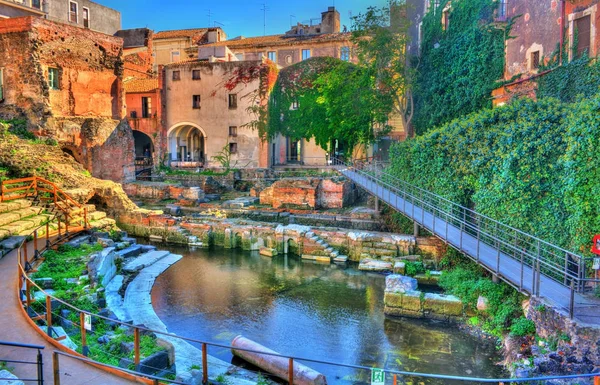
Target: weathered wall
102, 19
537, 29
309, 194
581, 8
14, 11
214, 117
89, 66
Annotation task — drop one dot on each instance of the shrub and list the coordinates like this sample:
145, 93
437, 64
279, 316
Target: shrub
522, 327
414, 268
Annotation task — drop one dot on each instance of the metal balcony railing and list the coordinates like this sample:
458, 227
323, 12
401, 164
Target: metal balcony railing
38, 363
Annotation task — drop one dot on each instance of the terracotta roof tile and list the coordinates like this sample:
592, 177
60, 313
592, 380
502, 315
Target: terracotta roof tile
180, 33
283, 40
140, 85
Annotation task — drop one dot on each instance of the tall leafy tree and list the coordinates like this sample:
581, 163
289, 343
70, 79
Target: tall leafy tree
380, 36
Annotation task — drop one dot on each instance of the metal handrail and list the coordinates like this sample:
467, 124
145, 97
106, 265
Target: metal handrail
39, 362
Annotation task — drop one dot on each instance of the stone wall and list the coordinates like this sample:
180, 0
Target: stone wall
185, 196
309, 193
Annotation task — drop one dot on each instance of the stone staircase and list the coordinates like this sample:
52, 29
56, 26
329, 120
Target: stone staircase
316, 249
20, 217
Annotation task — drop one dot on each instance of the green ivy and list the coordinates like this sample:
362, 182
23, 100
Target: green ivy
459, 67
531, 165
577, 79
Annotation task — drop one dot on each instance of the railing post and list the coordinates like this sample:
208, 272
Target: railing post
27, 294
40, 368
48, 234
59, 235
533, 274
25, 256
84, 347
572, 301
35, 243
136, 348
566, 269
522, 272
204, 364
478, 242
56, 368
291, 371
49, 316
539, 277
67, 223
85, 221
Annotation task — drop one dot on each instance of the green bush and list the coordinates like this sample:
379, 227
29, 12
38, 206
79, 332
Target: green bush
522, 327
414, 268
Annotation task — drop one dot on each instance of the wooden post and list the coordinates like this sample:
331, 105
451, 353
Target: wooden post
83, 332
85, 221
35, 242
395, 379
27, 293
49, 315
66, 224
136, 346
291, 371
47, 234
204, 364
58, 218
25, 258
56, 368
597, 380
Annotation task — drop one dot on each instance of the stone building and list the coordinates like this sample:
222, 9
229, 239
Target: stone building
82, 13
144, 113
137, 53
181, 45
67, 82
206, 111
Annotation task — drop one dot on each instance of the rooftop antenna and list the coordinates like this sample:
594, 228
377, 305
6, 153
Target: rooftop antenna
291, 24
209, 15
264, 8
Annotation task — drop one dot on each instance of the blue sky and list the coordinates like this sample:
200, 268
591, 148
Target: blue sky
238, 17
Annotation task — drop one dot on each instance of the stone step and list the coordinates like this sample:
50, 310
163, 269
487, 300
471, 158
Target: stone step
329, 249
131, 251
341, 259
335, 254
13, 216
144, 261
18, 204
309, 234
21, 227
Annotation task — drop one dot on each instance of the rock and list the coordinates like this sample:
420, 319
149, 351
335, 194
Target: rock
126, 347
106, 242
131, 251
9, 379
375, 265
482, 304
125, 363
156, 362
72, 281
11, 243
400, 268
240, 203
57, 332
267, 252
45, 283
400, 284
212, 197
103, 340
173, 209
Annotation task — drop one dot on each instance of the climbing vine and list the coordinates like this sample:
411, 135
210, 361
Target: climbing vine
459, 66
531, 165
327, 99
578, 78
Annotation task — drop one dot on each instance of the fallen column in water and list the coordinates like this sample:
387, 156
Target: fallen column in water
277, 366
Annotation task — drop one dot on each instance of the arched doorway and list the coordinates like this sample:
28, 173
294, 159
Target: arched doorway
187, 146
73, 152
144, 149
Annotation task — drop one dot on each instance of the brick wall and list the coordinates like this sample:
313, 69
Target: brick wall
309, 194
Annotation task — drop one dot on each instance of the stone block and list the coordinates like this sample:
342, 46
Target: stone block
482, 304
399, 268
441, 304
157, 362
393, 299
9, 379
411, 301
267, 252
375, 265
400, 284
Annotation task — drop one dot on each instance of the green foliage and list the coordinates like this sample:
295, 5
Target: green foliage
260, 380
530, 165
414, 268
504, 303
522, 327
572, 81
459, 67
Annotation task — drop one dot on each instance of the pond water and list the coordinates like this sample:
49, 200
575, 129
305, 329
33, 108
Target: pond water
325, 312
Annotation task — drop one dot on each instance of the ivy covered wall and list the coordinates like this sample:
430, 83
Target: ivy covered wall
579, 78
459, 66
532, 165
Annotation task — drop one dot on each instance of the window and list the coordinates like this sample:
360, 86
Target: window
583, 32
294, 105
345, 53
239, 56
305, 54
36, 4
73, 14
176, 75
272, 55
1, 84
233, 131
53, 78
535, 60
233, 148
195, 74
502, 10
232, 101
146, 107
445, 20
288, 59
196, 102
86, 17
175, 57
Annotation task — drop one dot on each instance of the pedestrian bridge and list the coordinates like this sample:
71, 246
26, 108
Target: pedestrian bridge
531, 265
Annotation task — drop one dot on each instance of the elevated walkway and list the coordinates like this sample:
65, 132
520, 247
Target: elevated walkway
529, 264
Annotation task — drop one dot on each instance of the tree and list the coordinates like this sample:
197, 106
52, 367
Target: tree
381, 37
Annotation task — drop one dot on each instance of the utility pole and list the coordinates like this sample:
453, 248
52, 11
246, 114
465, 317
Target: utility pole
209, 15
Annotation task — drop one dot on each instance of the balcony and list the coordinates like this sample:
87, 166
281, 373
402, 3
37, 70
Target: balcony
37, 6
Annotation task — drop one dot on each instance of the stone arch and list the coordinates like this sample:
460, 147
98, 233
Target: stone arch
73, 152
142, 143
238, 241
187, 143
292, 246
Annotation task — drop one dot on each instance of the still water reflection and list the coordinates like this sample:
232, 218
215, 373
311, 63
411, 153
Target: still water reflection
325, 312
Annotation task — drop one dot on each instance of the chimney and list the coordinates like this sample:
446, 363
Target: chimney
330, 21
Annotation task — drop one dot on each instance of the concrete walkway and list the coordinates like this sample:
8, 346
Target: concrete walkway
15, 328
